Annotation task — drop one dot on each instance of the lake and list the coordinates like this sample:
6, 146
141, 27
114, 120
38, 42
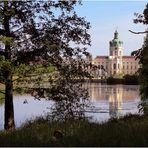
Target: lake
109, 101
112, 101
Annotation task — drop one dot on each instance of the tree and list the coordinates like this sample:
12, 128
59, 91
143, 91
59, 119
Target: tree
143, 75
142, 55
39, 32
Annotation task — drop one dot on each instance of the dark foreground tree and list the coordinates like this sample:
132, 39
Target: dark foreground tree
142, 55
40, 40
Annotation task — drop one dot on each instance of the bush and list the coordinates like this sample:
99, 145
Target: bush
112, 80
131, 79
127, 79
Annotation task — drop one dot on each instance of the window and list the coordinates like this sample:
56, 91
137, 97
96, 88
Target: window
118, 66
120, 53
115, 52
114, 66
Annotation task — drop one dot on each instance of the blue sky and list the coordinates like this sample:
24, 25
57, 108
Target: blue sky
105, 17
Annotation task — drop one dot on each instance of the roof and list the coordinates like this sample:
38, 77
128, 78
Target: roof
124, 57
116, 41
128, 57
101, 57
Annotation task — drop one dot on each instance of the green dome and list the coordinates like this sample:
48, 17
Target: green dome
116, 41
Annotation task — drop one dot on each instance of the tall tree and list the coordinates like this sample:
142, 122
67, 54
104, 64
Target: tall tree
142, 55
39, 32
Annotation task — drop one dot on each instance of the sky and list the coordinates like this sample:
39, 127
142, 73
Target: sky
105, 17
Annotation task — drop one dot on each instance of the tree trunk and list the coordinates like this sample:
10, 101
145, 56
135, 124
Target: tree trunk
9, 110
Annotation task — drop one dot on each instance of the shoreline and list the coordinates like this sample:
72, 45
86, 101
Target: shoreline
109, 81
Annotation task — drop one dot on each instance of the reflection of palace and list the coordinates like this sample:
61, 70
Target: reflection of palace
114, 94
115, 102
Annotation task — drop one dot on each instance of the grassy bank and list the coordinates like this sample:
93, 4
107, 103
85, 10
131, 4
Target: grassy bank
2, 90
129, 131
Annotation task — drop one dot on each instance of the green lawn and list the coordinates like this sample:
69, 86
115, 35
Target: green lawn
128, 131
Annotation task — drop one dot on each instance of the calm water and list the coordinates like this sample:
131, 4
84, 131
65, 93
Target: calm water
108, 101
113, 101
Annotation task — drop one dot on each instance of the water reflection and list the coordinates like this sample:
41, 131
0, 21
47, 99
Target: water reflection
117, 99
115, 102
28, 111
110, 101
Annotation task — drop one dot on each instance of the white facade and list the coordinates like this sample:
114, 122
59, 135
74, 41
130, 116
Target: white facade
116, 64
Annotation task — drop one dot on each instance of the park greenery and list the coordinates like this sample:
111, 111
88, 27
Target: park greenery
38, 58
127, 80
43, 41
128, 131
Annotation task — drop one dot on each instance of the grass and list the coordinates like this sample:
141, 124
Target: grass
2, 89
131, 130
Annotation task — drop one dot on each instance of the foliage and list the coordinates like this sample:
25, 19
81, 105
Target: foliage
143, 74
142, 55
131, 79
127, 80
129, 131
142, 18
41, 41
70, 103
111, 80
1, 98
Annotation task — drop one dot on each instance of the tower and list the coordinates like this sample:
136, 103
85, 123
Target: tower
115, 55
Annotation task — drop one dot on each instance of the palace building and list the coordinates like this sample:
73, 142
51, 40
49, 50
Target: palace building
116, 64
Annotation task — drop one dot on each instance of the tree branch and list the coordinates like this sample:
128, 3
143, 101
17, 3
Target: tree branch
138, 32
27, 76
2, 83
2, 92
2, 31
17, 30
2, 52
